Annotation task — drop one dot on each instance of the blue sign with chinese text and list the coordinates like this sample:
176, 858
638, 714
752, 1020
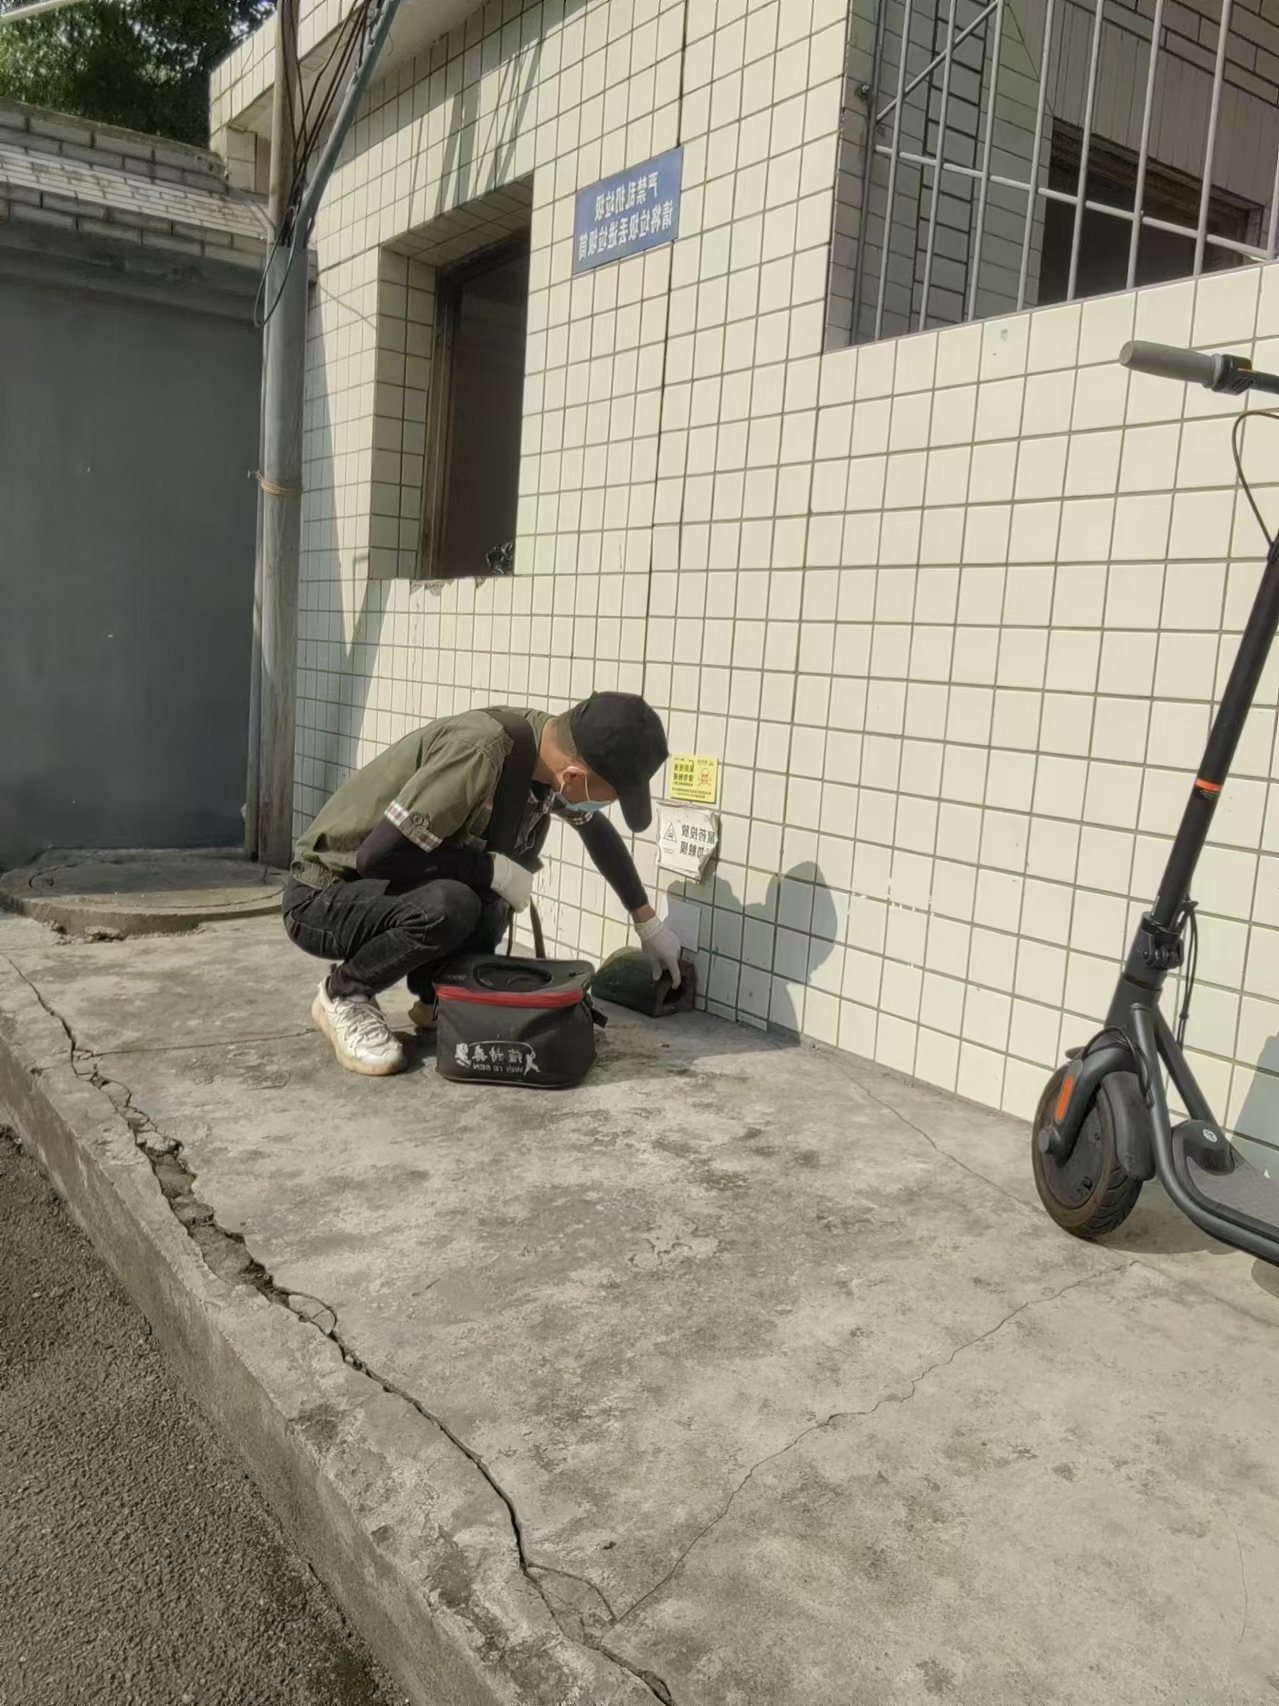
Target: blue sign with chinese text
636, 210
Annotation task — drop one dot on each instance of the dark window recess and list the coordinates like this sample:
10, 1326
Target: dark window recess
475, 415
1104, 239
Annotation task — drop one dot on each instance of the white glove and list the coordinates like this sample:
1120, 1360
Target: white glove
512, 882
661, 949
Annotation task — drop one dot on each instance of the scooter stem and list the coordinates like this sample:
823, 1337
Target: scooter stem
1223, 741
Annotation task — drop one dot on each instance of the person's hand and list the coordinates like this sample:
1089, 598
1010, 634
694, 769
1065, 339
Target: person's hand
512, 882
661, 948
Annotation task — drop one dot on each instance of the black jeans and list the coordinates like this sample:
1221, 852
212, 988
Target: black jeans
379, 933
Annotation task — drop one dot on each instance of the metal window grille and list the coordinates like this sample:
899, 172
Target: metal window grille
999, 154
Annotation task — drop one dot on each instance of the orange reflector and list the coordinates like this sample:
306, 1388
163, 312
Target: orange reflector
1208, 787
1063, 1101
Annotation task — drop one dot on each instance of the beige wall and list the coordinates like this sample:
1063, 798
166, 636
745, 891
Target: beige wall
951, 609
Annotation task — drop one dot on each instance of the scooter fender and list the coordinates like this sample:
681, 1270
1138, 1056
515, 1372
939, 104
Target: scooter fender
1134, 1139
1083, 1079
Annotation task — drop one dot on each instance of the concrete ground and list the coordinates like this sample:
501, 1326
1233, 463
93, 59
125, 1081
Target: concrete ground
743, 1374
136, 1562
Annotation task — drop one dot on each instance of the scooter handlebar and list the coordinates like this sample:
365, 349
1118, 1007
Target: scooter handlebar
1163, 361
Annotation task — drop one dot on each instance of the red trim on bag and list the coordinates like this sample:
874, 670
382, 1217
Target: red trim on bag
509, 997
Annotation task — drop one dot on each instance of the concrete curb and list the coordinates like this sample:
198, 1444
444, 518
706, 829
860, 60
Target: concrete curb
401, 1525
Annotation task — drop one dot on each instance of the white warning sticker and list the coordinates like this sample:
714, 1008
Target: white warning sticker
687, 837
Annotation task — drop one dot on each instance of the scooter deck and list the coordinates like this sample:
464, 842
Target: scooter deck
1228, 1181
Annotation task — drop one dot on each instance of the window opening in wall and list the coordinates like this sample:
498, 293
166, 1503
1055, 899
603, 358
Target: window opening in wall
970, 125
475, 415
1166, 251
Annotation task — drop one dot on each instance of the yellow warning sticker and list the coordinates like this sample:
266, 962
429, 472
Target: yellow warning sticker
694, 778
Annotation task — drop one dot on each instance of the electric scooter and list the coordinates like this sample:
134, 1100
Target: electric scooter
1103, 1125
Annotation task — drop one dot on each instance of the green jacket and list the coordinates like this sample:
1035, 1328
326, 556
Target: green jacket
436, 786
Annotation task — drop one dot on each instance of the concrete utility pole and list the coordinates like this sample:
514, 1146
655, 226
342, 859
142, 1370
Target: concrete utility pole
273, 718
272, 692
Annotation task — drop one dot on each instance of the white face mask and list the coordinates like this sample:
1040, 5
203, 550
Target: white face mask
586, 805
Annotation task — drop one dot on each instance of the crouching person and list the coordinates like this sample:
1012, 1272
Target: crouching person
395, 876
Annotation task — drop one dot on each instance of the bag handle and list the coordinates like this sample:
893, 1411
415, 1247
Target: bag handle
539, 941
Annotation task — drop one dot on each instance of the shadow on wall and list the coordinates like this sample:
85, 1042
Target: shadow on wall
343, 691
463, 154
797, 908
464, 151
758, 947
339, 693
1257, 1127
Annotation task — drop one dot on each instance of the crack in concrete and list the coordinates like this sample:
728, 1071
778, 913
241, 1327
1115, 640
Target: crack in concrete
1243, 1583
862, 1415
211, 1043
529, 1567
227, 1255
954, 1160
584, 1581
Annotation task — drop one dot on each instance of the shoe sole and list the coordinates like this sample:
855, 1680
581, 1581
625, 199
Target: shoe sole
366, 1069
419, 1020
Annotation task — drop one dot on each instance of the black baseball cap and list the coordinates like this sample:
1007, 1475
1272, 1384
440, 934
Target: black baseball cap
622, 739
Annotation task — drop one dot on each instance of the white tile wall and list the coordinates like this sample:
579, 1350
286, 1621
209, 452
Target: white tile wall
950, 609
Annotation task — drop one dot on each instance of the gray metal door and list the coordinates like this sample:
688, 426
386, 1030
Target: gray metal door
128, 432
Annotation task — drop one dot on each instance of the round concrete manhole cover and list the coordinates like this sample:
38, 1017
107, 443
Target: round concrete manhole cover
136, 893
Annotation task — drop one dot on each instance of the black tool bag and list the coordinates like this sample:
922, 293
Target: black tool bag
509, 1020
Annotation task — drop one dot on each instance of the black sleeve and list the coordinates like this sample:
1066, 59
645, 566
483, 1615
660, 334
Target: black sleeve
392, 857
610, 857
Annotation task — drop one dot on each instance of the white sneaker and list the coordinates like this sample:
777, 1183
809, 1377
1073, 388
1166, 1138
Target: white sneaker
361, 1038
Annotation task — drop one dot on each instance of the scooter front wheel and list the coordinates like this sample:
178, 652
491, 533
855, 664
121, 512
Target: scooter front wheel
1089, 1193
